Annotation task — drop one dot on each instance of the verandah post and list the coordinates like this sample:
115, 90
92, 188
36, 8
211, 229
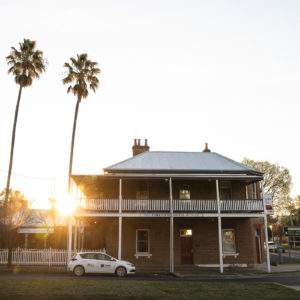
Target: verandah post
171, 229
120, 220
219, 227
75, 235
69, 238
266, 230
70, 224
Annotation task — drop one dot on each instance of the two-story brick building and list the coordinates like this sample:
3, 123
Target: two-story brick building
172, 208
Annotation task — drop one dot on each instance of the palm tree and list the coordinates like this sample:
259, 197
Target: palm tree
24, 64
81, 72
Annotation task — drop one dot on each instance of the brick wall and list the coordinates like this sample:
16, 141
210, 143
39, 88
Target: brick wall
159, 189
204, 239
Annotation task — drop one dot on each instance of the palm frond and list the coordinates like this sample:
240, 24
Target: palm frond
26, 63
81, 71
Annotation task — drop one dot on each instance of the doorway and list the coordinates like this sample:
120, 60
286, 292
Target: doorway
186, 246
258, 245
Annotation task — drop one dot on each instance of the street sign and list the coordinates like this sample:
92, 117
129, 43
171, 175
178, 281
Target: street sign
268, 204
292, 231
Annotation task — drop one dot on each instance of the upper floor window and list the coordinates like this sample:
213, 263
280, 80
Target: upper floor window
185, 192
142, 195
225, 190
142, 190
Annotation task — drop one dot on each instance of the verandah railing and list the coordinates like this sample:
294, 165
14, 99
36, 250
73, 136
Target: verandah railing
43, 257
194, 205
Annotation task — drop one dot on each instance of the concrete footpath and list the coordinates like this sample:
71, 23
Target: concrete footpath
280, 268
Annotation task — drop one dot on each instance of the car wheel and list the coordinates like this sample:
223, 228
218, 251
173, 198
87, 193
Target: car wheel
121, 272
79, 271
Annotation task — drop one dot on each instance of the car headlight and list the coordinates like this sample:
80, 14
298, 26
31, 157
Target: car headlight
131, 265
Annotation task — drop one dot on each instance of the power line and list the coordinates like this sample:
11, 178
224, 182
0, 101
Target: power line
34, 177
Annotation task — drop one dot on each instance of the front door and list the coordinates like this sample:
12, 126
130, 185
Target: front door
258, 246
186, 247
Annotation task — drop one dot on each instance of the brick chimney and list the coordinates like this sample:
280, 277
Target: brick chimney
206, 148
137, 148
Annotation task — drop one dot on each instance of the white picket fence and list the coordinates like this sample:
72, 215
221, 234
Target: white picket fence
39, 257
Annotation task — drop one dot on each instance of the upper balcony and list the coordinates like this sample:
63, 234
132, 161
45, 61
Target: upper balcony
163, 205
181, 195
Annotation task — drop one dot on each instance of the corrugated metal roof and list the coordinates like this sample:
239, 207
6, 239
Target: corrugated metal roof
159, 161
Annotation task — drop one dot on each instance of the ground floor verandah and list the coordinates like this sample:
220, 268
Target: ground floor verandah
146, 241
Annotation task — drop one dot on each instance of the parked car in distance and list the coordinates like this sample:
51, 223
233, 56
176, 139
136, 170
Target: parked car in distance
275, 247
98, 262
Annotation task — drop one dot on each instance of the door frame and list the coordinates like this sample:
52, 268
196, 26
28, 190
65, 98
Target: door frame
187, 234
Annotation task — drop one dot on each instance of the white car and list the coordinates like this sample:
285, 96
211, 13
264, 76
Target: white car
98, 262
275, 247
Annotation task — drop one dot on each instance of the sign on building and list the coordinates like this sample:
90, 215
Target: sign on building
292, 231
268, 204
36, 230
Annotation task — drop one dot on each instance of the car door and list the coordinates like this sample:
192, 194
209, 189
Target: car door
90, 262
105, 264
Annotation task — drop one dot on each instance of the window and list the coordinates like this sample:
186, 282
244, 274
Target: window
186, 232
89, 255
225, 190
142, 190
142, 195
142, 241
228, 241
102, 256
185, 192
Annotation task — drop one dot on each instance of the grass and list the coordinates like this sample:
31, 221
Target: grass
33, 269
33, 289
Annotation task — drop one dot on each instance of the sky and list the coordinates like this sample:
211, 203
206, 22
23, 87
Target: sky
179, 73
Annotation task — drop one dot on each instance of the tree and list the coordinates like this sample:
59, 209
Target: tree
13, 213
81, 72
24, 64
277, 182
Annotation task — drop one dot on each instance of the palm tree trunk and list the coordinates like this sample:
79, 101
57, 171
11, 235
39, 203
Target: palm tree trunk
72, 143
9, 176
12, 149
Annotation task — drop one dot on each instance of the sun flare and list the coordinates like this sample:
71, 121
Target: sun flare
66, 206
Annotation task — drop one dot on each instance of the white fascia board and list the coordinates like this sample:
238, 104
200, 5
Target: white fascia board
167, 215
181, 176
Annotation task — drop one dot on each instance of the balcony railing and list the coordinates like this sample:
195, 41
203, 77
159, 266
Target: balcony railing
195, 205
163, 205
145, 205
